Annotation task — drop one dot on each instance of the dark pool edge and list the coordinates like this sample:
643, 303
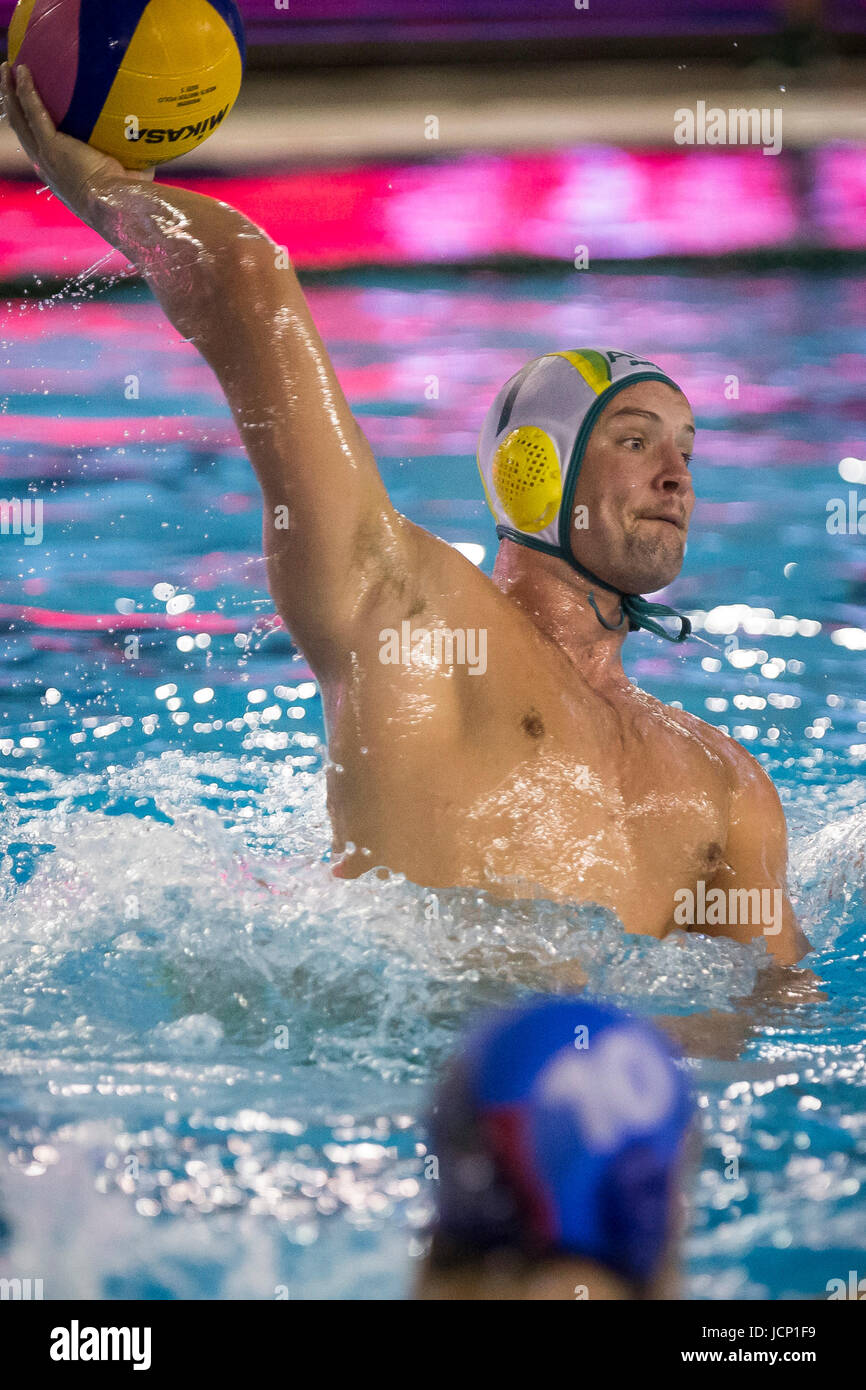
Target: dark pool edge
813, 259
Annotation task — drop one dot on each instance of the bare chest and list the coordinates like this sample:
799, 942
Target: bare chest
535, 791
625, 805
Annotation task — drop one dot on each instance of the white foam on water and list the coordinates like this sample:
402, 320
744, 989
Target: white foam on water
200, 979
234, 916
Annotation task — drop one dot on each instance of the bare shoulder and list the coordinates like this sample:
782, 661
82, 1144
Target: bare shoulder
747, 779
756, 843
451, 590
465, 627
443, 569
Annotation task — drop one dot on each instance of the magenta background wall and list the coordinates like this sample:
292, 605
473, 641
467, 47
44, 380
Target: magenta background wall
347, 21
642, 203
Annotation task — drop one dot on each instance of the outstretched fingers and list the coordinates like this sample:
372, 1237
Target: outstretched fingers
49, 150
15, 112
33, 107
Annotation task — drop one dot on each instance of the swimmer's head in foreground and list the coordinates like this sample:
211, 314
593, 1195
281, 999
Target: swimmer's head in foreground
585, 455
560, 1132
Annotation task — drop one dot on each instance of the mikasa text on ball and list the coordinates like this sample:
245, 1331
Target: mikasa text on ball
142, 80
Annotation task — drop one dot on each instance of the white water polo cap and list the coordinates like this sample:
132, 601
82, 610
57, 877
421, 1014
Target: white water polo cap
531, 449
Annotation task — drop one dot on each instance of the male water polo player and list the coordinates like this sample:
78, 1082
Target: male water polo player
539, 770
560, 1134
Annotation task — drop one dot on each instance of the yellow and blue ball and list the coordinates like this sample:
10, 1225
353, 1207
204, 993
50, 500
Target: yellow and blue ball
142, 80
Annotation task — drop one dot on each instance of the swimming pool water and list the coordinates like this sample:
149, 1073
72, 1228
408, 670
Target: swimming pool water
214, 1057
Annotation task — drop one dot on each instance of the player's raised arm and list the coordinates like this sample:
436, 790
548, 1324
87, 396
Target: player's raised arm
332, 540
334, 544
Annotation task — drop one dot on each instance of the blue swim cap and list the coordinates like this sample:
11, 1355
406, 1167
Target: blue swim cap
559, 1129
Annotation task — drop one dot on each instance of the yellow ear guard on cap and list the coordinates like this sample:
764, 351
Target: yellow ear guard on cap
527, 478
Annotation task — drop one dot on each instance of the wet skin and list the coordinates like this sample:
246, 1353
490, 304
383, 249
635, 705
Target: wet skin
550, 774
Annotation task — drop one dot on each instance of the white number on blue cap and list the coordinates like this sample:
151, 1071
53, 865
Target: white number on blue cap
618, 1086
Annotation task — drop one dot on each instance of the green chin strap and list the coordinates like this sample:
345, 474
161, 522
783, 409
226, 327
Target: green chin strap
641, 613
637, 610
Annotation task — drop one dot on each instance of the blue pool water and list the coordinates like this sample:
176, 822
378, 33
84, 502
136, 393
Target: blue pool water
213, 1056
